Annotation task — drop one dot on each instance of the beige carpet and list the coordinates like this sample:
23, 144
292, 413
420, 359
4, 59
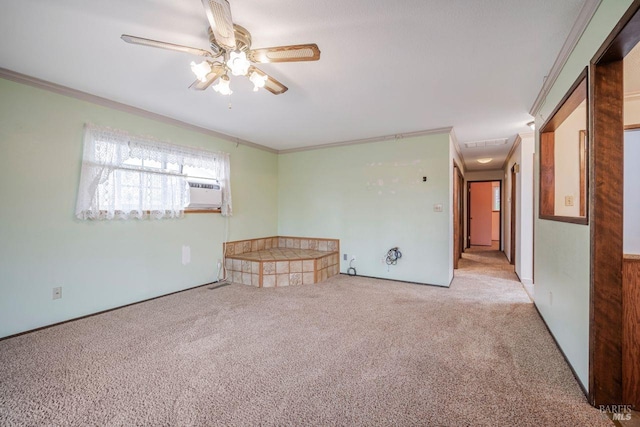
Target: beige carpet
350, 351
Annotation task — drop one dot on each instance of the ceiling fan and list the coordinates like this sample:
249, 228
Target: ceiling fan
231, 52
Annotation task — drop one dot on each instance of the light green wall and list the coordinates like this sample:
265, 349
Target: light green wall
372, 198
102, 264
562, 249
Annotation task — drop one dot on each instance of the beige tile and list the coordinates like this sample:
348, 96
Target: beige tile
268, 268
304, 243
246, 279
254, 245
229, 248
255, 280
268, 281
323, 274
246, 266
332, 245
237, 265
295, 279
308, 265
239, 250
260, 244
282, 267
325, 261
236, 277
228, 264
295, 267
313, 244
323, 246
289, 243
246, 246
296, 243
282, 242
282, 280
308, 278
267, 243
255, 267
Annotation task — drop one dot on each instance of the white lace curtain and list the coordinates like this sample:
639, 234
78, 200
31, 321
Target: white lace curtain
126, 176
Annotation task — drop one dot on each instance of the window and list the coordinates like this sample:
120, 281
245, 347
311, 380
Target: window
125, 176
496, 198
563, 158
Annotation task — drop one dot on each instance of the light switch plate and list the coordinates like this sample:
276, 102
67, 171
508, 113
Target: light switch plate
437, 207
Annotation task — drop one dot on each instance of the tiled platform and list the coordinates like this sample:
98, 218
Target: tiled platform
282, 261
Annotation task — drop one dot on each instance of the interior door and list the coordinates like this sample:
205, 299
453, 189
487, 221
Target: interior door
480, 209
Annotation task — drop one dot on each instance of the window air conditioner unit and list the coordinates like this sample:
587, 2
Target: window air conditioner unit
204, 193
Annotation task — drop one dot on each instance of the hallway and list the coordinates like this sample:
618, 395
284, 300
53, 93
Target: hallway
486, 261
487, 269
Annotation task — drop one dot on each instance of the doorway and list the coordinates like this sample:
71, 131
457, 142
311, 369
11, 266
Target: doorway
614, 330
458, 224
484, 215
512, 225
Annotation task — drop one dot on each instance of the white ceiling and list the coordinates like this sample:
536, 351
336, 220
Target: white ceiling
387, 67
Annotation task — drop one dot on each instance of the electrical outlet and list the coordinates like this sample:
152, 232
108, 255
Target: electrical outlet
344, 257
57, 292
568, 200
186, 254
437, 207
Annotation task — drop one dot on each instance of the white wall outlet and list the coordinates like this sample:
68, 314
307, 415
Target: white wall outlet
568, 200
57, 292
186, 254
437, 207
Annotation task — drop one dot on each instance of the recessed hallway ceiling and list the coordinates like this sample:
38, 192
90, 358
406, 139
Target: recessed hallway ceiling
386, 67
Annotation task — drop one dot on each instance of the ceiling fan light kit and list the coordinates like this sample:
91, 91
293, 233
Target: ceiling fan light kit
201, 70
223, 87
232, 43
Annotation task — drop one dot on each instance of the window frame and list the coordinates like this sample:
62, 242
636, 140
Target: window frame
575, 96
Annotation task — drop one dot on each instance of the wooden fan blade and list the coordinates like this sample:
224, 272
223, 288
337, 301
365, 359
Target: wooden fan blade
164, 45
272, 85
298, 52
216, 71
219, 16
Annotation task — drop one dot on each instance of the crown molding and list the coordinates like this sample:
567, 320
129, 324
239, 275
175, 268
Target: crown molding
94, 99
515, 145
393, 137
456, 146
587, 12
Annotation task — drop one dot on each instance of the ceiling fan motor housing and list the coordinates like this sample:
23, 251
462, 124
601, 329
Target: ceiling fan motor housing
243, 40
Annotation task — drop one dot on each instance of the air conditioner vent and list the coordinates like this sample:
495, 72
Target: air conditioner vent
204, 193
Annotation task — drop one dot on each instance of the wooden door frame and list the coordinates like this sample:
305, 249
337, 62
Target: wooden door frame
606, 144
458, 217
499, 181
512, 248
